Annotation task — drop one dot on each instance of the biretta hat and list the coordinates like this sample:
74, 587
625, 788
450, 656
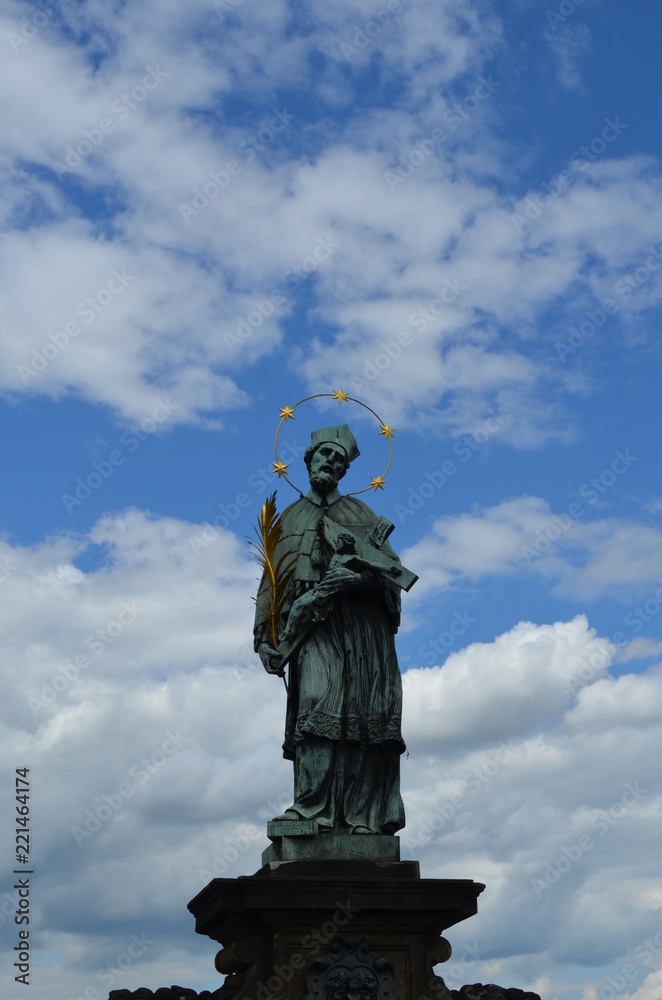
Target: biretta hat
341, 436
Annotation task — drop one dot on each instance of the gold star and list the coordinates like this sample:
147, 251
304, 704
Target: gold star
286, 413
340, 395
387, 431
280, 468
377, 483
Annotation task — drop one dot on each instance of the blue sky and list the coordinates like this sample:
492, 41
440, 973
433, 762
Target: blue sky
453, 212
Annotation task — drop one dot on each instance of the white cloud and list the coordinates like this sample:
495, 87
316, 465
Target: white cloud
141, 675
640, 649
583, 558
490, 691
398, 249
165, 750
568, 43
650, 989
152, 733
630, 701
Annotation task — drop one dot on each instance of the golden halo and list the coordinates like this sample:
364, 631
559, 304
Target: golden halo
287, 413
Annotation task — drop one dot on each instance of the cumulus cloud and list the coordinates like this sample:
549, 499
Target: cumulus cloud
135, 698
155, 766
172, 214
513, 685
583, 558
217, 231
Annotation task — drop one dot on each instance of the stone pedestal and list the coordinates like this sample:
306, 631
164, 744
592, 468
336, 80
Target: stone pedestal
332, 929
302, 842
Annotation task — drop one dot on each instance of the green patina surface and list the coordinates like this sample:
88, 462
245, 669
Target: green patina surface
343, 719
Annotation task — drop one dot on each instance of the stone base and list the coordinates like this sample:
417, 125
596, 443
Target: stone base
308, 845
306, 930
277, 828
475, 992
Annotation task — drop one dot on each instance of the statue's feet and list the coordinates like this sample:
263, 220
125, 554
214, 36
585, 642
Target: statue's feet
289, 814
360, 829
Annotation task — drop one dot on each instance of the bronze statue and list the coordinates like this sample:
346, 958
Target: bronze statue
336, 622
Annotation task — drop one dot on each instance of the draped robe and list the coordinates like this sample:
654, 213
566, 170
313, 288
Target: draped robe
343, 720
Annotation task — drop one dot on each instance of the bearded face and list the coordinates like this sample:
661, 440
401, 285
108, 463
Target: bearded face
323, 482
327, 467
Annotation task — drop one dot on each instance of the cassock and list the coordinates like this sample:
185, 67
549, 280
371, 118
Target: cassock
343, 722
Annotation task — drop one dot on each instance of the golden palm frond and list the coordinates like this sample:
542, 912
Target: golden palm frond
277, 573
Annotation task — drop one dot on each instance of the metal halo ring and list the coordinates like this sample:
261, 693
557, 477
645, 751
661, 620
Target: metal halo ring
287, 413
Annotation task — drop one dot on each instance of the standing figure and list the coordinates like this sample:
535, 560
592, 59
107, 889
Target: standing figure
342, 726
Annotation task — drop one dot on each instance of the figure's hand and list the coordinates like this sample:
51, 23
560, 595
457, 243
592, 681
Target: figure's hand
301, 612
270, 659
313, 606
341, 578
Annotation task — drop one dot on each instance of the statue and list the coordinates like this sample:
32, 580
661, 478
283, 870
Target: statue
336, 620
329, 604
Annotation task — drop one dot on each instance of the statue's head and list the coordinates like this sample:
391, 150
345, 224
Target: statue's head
329, 455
